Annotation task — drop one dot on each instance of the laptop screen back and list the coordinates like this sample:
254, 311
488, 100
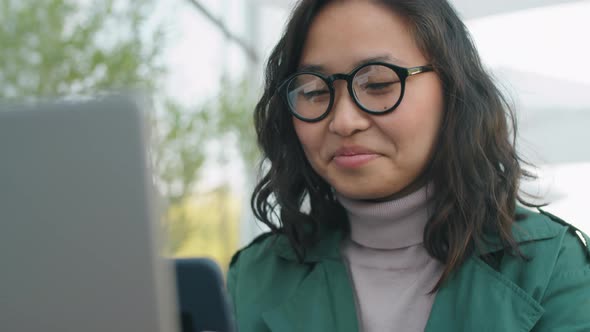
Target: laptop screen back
78, 239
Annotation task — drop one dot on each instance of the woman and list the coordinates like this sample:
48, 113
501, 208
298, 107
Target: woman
392, 186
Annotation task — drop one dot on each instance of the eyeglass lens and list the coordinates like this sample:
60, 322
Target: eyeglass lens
376, 88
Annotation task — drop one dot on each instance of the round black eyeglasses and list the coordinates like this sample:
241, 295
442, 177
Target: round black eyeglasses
376, 88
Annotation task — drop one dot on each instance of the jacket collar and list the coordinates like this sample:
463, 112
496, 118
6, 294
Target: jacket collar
534, 227
327, 248
476, 297
323, 301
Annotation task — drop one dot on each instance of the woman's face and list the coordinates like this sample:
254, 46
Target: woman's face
367, 156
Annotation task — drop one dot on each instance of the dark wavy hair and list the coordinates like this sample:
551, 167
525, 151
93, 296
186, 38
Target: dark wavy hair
475, 168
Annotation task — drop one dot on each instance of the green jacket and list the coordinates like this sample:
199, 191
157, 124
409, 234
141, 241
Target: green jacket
271, 291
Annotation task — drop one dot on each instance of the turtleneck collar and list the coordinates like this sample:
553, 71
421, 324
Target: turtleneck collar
392, 224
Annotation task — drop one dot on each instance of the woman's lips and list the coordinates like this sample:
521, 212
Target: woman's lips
354, 161
353, 156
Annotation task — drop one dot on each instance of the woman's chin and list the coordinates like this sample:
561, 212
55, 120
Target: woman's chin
367, 193
378, 192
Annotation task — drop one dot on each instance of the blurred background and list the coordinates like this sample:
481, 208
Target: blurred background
202, 62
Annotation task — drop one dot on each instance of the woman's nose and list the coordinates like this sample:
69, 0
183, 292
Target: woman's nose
346, 117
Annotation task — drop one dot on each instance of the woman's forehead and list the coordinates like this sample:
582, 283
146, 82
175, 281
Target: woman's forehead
323, 67
344, 34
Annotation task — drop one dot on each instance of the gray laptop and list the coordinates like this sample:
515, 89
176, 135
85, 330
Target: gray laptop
78, 233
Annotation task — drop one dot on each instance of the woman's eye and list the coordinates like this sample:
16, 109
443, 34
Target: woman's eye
379, 86
315, 94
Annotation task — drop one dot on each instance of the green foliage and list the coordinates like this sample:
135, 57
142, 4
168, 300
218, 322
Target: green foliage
178, 157
64, 48
235, 119
51, 48
181, 136
213, 225
178, 151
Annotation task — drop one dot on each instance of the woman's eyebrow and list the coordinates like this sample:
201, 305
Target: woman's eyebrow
381, 58
310, 67
321, 68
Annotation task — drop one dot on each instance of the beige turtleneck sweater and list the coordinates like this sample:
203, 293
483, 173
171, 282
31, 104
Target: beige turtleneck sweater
391, 271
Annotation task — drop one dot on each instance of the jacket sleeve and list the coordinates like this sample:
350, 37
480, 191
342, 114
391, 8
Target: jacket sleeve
232, 275
567, 297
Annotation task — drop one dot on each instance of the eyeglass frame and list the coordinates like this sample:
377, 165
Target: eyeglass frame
402, 72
